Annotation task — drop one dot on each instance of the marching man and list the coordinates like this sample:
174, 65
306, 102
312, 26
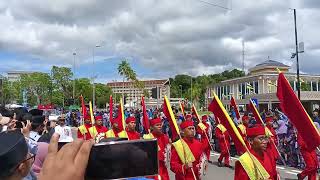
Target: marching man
83, 130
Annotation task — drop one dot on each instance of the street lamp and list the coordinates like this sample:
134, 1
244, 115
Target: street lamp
180, 91
93, 76
74, 76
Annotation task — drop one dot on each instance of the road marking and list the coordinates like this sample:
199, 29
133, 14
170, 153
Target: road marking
297, 171
282, 168
289, 172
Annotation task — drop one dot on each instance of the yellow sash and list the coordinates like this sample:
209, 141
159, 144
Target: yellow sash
123, 134
202, 126
93, 131
150, 136
110, 134
242, 128
253, 167
222, 128
184, 152
268, 132
83, 130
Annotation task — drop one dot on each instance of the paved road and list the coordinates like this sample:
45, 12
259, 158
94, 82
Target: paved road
223, 173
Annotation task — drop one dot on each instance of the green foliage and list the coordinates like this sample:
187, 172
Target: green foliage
103, 93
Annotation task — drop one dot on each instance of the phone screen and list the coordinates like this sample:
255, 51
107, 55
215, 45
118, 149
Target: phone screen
123, 159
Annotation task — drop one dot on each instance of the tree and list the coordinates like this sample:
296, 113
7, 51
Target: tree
37, 86
103, 93
61, 77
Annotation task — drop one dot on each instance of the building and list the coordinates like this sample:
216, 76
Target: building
260, 84
133, 94
15, 75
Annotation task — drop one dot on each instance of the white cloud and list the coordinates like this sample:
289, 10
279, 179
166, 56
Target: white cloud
169, 36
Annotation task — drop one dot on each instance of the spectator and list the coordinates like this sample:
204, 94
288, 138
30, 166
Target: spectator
315, 115
63, 130
15, 158
40, 157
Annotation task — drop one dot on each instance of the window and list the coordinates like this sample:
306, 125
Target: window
243, 87
314, 86
256, 87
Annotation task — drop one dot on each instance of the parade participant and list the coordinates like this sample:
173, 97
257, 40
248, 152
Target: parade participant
269, 125
163, 147
310, 159
113, 132
224, 143
271, 133
187, 154
258, 164
83, 130
243, 126
203, 130
63, 130
130, 131
98, 130
15, 158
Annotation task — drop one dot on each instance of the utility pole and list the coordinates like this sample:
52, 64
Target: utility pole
243, 55
297, 53
74, 77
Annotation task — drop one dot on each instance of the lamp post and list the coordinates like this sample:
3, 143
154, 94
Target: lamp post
93, 76
74, 76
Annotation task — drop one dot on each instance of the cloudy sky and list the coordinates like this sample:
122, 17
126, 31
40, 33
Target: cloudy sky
160, 38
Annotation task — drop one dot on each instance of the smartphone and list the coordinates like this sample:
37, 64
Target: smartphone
123, 159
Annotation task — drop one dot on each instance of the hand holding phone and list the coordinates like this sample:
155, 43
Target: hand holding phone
68, 163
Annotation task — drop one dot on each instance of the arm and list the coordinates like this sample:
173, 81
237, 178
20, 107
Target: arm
176, 165
239, 172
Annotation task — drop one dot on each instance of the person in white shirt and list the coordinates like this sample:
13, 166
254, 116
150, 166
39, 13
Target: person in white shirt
63, 130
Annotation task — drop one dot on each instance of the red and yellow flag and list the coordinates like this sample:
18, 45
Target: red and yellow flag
182, 109
120, 118
234, 105
146, 124
220, 112
172, 120
91, 113
83, 107
292, 107
255, 112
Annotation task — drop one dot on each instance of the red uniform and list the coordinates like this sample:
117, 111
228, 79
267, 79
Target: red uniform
132, 135
272, 146
180, 170
205, 138
268, 162
163, 142
224, 144
86, 135
310, 159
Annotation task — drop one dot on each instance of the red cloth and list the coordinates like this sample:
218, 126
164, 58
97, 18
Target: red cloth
130, 119
311, 160
234, 133
255, 112
224, 144
87, 135
101, 129
132, 135
273, 143
180, 170
256, 130
234, 105
266, 161
171, 119
110, 108
163, 141
155, 121
83, 107
186, 124
296, 113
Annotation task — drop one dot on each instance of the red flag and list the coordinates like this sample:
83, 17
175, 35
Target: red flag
255, 112
292, 107
220, 112
182, 110
111, 108
172, 120
83, 107
234, 105
146, 124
